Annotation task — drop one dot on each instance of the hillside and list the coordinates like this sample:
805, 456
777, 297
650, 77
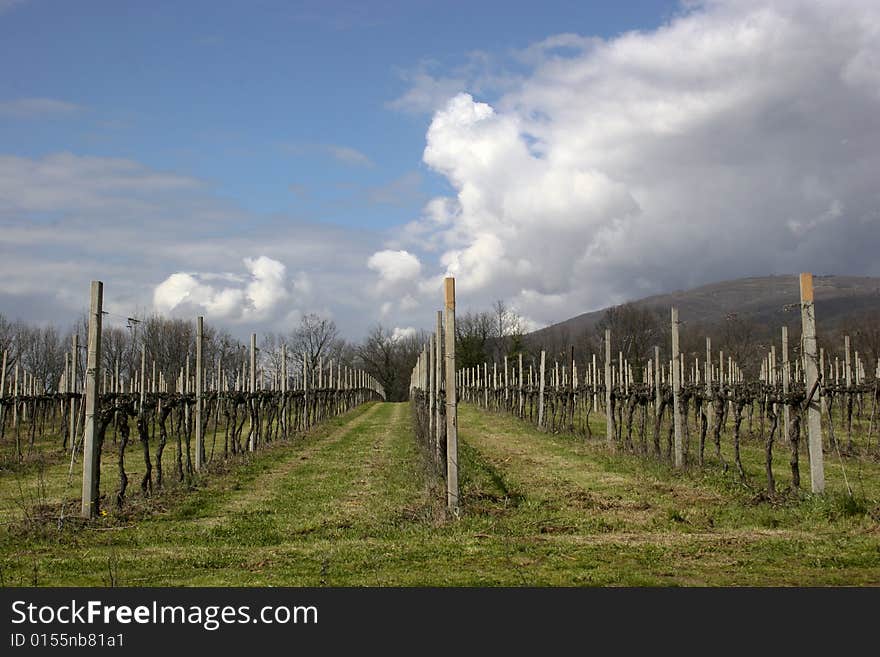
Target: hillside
762, 299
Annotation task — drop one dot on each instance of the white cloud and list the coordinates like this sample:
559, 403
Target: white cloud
66, 219
401, 333
739, 139
257, 298
395, 269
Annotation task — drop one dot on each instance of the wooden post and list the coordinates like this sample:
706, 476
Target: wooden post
438, 428
252, 433
656, 380
506, 383
785, 382
814, 419
676, 391
91, 457
200, 342
432, 384
541, 391
710, 407
609, 423
452, 501
74, 370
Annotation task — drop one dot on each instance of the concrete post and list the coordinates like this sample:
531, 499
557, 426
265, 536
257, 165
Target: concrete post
91, 457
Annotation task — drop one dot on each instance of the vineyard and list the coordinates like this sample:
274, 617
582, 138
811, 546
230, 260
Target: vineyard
674, 404
525, 471
207, 415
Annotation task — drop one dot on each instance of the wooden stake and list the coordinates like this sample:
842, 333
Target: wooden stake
452, 500
676, 391
814, 419
200, 343
439, 429
541, 391
785, 382
609, 428
91, 458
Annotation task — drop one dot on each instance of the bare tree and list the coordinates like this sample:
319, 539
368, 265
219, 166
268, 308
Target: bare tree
473, 333
634, 331
390, 359
315, 338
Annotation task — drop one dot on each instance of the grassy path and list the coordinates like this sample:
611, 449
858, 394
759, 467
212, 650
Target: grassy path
349, 505
625, 520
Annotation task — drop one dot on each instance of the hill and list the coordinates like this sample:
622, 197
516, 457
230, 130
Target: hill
761, 299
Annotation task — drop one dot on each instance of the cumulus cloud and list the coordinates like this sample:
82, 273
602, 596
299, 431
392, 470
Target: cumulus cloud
740, 138
400, 333
396, 269
66, 219
256, 297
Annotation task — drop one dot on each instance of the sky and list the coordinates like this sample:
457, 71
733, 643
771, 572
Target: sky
255, 161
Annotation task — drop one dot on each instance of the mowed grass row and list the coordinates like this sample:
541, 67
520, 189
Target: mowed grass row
351, 504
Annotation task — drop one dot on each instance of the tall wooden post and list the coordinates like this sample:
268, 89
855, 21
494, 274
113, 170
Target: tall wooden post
74, 370
438, 366
656, 380
676, 391
3, 376
519, 383
200, 342
252, 434
710, 407
785, 381
432, 383
609, 421
541, 391
811, 375
91, 457
452, 501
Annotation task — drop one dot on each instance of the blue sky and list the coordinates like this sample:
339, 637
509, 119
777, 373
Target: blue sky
214, 134
280, 106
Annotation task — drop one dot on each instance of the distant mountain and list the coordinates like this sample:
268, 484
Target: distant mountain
761, 299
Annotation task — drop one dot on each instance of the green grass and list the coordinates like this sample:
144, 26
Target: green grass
350, 504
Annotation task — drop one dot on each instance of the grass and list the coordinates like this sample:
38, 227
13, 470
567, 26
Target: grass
350, 505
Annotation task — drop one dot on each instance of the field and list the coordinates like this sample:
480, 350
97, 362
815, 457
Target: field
352, 504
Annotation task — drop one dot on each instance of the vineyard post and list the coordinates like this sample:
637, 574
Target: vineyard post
438, 428
200, 341
609, 430
91, 461
676, 391
814, 419
143, 380
432, 385
593, 382
656, 380
506, 390
252, 438
451, 406
3, 390
541, 392
73, 372
710, 407
785, 382
519, 383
